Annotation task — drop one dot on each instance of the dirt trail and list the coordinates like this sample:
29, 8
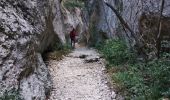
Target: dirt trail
80, 76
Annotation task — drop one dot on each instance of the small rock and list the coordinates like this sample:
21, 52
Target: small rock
91, 59
113, 95
83, 56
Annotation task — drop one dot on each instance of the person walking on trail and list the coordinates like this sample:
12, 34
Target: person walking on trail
73, 38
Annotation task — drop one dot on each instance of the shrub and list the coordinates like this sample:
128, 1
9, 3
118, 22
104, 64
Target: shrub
69, 4
158, 72
148, 81
116, 52
57, 52
11, 95
137, 80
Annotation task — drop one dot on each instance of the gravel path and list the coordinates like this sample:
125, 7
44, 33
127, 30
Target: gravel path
80, 76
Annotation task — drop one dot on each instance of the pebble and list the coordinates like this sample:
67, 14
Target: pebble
75, 80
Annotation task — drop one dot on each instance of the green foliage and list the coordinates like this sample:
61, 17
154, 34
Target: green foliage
158, 72
57, 51
116, 52
11, 95
69, 4
148, 81
137, 81
58, 46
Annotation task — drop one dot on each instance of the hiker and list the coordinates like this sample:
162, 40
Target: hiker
73, 37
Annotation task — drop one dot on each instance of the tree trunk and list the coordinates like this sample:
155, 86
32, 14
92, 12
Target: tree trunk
158, 39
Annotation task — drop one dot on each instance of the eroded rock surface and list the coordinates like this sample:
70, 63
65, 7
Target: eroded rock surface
104, 23
27, 29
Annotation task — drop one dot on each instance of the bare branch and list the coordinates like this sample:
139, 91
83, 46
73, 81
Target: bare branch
158, 44
160, 19
123, 22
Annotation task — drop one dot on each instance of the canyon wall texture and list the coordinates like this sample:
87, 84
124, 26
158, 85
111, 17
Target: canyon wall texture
27, 29
104, 22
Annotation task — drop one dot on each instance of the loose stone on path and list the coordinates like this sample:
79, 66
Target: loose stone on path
78, 77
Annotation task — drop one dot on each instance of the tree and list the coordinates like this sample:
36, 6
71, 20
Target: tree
158, 39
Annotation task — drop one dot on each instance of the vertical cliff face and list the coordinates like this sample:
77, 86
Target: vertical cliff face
134, 11
72, 18
104, 20
27, 29
101, 20
143, 19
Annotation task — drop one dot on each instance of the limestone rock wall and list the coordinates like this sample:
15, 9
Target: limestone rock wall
72, 18
27, 29
104, 20
100, 20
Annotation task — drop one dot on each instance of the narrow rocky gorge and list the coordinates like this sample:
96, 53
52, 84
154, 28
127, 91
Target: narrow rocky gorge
30, 28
